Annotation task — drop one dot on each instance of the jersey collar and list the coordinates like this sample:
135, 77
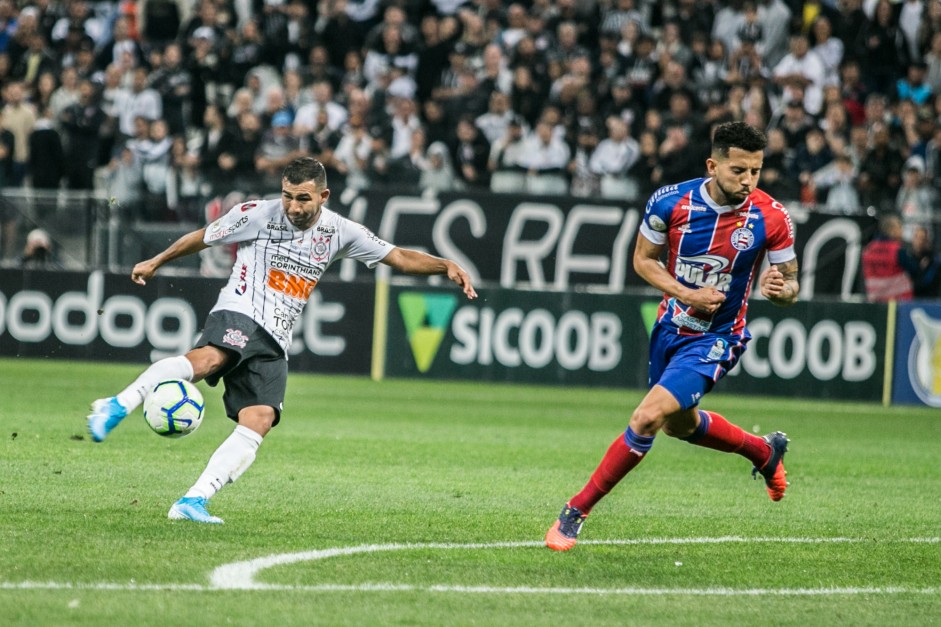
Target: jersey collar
704, 192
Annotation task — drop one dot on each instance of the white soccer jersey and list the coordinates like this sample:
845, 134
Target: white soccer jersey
277, 266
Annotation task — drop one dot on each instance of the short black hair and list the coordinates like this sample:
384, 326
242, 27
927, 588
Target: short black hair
737, 135
305, 169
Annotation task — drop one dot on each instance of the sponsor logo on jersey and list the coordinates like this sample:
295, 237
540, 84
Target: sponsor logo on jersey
717, 350
242, 285
742, 239
235, 337
691, 207
320, 248
372, 236
663, 191
249, 205
327, 229
682, 318
276, 226
281, 262
684, 228
290, 284
704, 271
216, 232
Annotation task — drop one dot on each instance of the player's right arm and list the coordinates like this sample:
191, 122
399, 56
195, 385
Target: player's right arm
187, 245
647, 264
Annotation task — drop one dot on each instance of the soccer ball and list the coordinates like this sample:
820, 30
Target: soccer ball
174, 408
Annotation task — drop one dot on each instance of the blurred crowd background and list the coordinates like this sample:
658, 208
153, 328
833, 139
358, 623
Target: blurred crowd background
165, 105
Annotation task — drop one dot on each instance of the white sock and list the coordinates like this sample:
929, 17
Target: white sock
170, 368
231, 459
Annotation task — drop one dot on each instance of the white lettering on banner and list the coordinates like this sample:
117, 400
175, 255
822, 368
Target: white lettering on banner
614, 265
440, 233
169, 343
576, 340
532, 252
30, 301
819, 243
128, 307
828, 351
87, 303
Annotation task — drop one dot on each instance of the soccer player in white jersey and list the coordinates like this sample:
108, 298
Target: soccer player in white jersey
284, 247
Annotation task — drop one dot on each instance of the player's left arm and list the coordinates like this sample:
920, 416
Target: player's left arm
416, 262
779, 284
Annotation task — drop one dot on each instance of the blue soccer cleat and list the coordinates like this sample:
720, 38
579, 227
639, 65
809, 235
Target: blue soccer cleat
563, 534
105, 415
192, 508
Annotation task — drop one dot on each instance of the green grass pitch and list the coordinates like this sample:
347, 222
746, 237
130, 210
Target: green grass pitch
419, 502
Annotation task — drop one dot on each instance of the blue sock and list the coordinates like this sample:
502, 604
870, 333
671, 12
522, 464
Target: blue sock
639, 443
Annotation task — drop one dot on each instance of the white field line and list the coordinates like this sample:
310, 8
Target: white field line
241, 575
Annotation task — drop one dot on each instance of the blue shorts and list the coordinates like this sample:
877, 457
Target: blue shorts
688, 366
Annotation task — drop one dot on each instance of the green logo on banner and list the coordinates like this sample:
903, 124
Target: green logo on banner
426, 319
648, 312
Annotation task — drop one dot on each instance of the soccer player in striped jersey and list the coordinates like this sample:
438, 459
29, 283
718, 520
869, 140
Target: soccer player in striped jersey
715, 232
284, 247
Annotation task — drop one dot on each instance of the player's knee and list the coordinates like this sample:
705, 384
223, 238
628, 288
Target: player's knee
206, 360
645, 421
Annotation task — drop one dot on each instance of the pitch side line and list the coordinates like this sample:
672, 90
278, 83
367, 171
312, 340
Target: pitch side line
241, 575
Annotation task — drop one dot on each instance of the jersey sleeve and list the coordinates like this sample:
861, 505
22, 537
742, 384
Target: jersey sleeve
780, 235
362, 244
240, 224
656, 220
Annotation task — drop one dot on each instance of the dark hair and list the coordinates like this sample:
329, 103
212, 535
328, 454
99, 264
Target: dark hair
737, 135
305, 169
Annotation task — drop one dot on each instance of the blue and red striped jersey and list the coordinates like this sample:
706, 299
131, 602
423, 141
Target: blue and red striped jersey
710, 245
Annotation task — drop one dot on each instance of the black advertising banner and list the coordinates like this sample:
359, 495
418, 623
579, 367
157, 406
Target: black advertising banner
98, 316
809, 350
566, 243
813, 350
506, 335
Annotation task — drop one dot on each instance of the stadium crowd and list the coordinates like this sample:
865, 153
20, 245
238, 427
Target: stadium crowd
165, 104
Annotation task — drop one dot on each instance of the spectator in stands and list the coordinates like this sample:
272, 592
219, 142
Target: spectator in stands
46, 159
321, 98
775, 172
437, 173
828, 48
36, 60
923, 264
186, 184
613, 159
278, 147
914, 86
801, 75
65, 94
584, 182
175, 85
19, 117
545, 157
881, 49
143, 102
351, 155
82, 123
880, 173
237, 149
121, 44
916, 199
470, 154
39, 252
494, 122
885, 277
503, 162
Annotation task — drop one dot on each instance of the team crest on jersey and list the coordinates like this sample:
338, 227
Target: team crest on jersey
656, 223
742, 239
235, 337
320, 249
